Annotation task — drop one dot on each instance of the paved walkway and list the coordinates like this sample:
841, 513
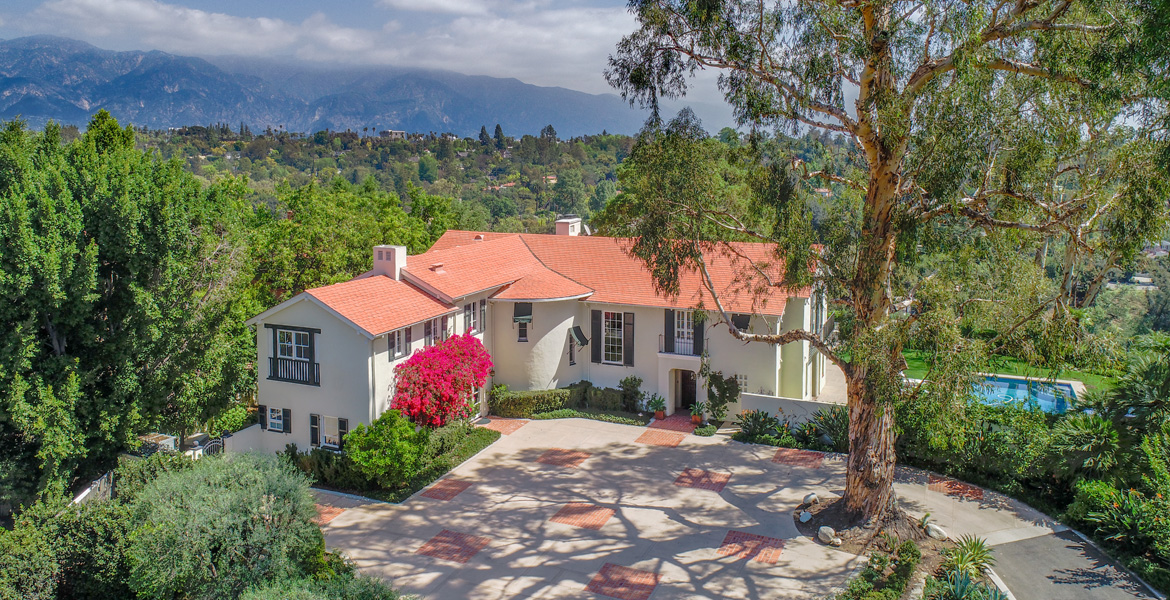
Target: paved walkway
576, 508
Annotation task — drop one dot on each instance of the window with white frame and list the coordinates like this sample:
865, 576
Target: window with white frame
684, 332
469, 322
293, 344
522, 333
275, 419
396, 347
329, 432
613, 342
742, 380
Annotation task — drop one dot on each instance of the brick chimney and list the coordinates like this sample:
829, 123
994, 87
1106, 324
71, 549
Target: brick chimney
389, 260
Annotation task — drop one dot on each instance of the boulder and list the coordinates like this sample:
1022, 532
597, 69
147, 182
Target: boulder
811, 499
826, 535
935, 532
805, 516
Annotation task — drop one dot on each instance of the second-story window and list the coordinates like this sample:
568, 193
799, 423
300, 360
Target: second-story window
469, 314
395, 345
293, 344
293, 357
684, 332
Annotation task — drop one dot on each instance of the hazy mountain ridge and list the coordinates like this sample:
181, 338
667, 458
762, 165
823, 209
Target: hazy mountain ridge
45, 77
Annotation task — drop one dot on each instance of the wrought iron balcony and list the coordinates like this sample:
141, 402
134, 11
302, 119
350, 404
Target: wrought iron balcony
294, 371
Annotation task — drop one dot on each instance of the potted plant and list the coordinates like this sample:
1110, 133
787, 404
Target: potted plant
658, 405
697, 412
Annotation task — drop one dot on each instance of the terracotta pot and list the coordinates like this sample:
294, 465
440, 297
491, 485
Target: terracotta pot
660, 415
696, 419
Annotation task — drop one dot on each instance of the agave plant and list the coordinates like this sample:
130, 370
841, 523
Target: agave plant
971, 558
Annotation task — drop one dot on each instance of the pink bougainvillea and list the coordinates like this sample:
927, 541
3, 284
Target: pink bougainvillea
434, 385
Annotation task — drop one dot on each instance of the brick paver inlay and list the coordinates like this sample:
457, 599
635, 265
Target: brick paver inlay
657, 437
563, 458
675, 422
954, 488
504, 426
583, 515
446, 489
454, 546
623, 582
752, 547
703, 480
326, 513
799, 458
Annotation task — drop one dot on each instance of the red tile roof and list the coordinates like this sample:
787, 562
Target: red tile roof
599, 264
379, 304
457, 271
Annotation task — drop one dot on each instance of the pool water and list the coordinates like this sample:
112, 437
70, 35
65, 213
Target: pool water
1037, 395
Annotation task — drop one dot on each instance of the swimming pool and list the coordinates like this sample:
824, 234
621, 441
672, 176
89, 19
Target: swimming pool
1037, 395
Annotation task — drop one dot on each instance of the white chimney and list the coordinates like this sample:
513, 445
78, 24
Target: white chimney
389, 260
569, 225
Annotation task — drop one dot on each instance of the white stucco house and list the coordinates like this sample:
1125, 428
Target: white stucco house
550, 309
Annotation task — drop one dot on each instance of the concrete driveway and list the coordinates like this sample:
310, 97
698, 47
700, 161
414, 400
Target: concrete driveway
582, 509
576, 508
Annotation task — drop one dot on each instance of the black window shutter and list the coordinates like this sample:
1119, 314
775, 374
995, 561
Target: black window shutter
287, 420
628, 340
263, 417
698, 337
598, 341
443, 336
408, 340
668, 331
483, 315
314, 430
312, 347
342, 429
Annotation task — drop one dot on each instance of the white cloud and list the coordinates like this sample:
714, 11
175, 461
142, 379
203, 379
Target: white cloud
539, 42
454, 7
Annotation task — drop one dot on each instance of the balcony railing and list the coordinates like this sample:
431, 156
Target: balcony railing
681, 346
294, 371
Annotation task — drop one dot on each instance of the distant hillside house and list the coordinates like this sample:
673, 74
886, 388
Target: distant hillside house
551, 309
391, 134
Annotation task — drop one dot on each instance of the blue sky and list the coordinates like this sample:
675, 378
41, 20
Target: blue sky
545, 42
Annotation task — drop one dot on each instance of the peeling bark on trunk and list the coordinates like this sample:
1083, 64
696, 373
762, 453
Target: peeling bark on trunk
869, 479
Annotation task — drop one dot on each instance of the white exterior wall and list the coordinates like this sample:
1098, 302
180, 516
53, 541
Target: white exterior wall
543, 361
345, 356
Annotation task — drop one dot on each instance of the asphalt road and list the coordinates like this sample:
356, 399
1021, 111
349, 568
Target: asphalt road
1061, 566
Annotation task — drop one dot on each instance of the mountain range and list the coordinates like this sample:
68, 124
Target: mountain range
65, 80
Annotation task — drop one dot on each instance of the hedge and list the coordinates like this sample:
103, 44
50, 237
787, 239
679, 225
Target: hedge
506, 403
570, 413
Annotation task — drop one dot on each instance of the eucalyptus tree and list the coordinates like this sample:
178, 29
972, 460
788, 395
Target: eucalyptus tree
1004, 118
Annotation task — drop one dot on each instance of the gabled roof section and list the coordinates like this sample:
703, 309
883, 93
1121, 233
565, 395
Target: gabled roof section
480, 265
379, 304
602, 265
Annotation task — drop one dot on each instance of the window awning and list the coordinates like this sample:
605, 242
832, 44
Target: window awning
578, 336
741, 322
522, 313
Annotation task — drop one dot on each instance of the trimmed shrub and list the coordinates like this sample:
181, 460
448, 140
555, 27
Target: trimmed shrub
569, 413
632, 394
706, 430
506, 403
330, 469
359, 587
230, 421
388, 451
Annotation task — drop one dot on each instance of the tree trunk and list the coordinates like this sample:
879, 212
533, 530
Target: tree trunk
869, 480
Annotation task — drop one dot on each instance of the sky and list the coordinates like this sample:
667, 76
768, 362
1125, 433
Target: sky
561, 43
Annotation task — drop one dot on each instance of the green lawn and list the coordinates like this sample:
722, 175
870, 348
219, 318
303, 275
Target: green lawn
918, 365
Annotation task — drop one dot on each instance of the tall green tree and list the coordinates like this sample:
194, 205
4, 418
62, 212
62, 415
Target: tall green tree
119, 280
501, 141
484, 138
952, 110
569, 194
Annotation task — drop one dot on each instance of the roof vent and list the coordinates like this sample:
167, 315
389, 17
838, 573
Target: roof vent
478, 237
437, 267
